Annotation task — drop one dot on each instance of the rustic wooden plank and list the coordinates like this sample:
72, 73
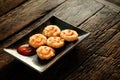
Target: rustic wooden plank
116, 73
101, 27
117, 26
106, 18
77, 11
7, 5
98, 25
110, 5
95, 68
100, 70
111, 47
23, 15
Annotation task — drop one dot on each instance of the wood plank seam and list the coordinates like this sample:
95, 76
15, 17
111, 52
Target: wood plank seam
110, 5
108, 54
76, 15
108, 28
116, 31
91, 16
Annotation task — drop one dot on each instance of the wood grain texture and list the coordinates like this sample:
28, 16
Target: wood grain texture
111, 47
104, 28
97, 68
110, 5
77, 11
116, 73
7, 5
99, 25
94, 68
23, 15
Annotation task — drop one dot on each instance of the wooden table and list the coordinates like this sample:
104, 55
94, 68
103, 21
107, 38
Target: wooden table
96, 58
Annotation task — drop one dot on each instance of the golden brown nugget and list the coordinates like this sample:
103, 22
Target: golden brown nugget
45, 52
51, 30
37, 40
55, 42
69, 35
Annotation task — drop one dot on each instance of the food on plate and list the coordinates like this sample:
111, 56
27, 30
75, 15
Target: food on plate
37, 40
26, 50
45, 52
51, 30
45, 44
55, 42
69, 35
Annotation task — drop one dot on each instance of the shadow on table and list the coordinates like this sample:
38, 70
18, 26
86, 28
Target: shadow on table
59, 71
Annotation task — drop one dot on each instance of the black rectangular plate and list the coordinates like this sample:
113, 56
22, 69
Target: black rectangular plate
33, 61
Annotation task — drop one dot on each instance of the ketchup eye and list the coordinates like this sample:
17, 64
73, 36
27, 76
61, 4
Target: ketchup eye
26, 50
